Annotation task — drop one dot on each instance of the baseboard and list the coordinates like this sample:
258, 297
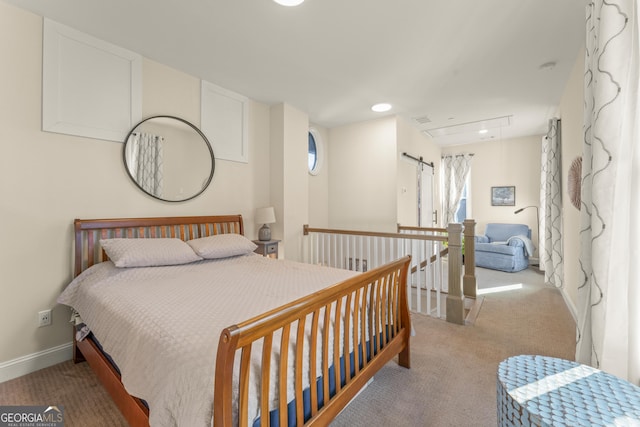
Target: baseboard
572, 308
33, 362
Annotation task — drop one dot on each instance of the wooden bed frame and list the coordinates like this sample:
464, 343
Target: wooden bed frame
372, 306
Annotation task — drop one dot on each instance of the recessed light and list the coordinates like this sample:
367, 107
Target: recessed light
381, 108
288, 2
483, 131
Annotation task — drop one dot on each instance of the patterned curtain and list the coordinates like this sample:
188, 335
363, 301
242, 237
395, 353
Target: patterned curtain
609, 295
144, 152
542, 223
552, 261
455, 170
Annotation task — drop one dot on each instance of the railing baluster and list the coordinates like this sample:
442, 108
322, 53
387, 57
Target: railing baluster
369, 252
265, 377
336, 346
419, 256
245, 371
326, 362
357, 346
350, 249
284, 374
334, 251
383, 256
438, 283
300, 333
361, 253
375, 252
346, 340
342, 252
413, 279
313, 360
355, 255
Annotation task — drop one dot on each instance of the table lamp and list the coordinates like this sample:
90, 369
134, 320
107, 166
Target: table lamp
265, 216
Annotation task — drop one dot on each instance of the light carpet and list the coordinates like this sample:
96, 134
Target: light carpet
452, 380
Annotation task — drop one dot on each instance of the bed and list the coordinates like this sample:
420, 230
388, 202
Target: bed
338, 327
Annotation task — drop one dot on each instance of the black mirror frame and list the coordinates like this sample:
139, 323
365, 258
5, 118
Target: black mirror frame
204, 138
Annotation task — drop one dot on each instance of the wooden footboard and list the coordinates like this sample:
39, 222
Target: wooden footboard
372, 326
345, 333
132, 408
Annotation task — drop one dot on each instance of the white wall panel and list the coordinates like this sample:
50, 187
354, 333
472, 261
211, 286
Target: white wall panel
224, 121
90, 88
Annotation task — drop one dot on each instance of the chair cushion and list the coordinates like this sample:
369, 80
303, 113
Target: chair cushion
502, 248
481, 239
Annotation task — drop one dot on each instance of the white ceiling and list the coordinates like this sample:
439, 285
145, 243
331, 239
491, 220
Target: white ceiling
447, 61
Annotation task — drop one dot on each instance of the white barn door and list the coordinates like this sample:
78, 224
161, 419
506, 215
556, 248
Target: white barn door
425, 195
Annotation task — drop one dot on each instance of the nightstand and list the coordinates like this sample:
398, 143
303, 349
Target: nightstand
267, 248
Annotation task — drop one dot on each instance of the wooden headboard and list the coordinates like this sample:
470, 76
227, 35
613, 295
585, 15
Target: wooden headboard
89, 232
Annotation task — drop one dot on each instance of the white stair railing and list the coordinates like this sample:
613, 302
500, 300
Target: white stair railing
427, 286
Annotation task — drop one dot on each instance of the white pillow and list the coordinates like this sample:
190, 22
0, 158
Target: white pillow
148, 252
222, 246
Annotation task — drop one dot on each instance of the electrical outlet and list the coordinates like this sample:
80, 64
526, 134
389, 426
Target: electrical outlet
44, 318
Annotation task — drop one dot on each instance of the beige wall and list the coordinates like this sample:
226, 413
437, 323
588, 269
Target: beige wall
504, 163
362, 175
571, 113
289, 185
371, 185
49, 179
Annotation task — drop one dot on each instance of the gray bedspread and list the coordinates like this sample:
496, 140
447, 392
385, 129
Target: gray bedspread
162, 324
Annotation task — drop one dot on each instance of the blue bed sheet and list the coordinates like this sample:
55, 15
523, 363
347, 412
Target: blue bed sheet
274, 415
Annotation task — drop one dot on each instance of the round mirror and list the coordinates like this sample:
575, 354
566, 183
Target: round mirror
169, 158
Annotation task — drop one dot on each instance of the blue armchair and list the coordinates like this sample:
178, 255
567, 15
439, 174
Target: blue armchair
504, 247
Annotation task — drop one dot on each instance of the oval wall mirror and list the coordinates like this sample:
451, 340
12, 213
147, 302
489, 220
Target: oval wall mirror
169, 158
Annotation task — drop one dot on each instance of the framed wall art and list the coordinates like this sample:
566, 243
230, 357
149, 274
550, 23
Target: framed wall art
503, 196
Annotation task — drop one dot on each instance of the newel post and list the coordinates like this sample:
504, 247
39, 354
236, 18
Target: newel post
469, 284
455, 298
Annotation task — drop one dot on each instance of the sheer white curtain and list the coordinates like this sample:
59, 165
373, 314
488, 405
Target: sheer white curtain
551, 252
455, 170
144, 156
609, 296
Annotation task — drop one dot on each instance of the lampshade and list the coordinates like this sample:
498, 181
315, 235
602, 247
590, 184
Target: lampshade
265, 215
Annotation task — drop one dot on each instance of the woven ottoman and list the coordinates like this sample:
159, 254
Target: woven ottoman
546, 391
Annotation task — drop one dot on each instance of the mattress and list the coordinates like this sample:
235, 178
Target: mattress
161, 325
